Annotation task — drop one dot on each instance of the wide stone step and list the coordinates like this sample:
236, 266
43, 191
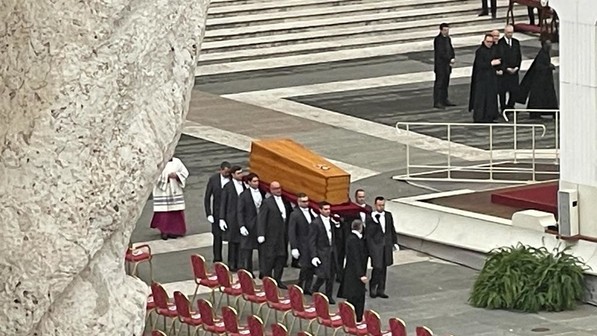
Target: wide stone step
301, 8
335, 55
220, 32
339, 44
334, 33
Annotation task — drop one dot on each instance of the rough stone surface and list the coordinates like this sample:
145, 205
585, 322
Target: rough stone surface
93, 94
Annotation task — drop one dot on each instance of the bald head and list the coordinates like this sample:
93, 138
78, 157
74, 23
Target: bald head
509, 31
496, 36
275, 188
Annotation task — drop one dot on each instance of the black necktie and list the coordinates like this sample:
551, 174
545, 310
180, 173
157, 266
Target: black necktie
378, 216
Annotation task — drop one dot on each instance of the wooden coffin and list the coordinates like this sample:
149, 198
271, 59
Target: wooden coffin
299, 170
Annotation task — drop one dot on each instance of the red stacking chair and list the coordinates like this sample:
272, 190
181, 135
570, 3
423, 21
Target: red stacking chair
163, 305
185, 315
227, 287
230, 318
250, 293
274, 301
255, 325
137, 255
299, 310
210, 323
397, 327
157, 333
324, 318
150, 310
279, 330
202, 278
349, 320
303, 333
373, 322
423, 331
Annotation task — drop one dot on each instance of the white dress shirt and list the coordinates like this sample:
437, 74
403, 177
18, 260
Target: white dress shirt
382, 219
238, 185
281, 206
257, 198
360, 235
307, 214
328, 227
224, 180
362, 214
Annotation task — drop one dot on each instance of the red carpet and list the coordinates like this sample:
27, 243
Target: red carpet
539, 196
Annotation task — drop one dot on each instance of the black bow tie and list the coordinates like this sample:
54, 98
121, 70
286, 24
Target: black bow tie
378, 216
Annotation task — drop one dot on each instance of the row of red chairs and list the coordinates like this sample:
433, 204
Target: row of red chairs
268, 294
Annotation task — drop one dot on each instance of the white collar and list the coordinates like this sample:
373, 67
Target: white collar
277, 197
254, 189
358, 234
237, 182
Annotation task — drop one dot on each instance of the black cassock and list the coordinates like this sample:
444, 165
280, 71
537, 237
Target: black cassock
352, 288
537, 85
483, 100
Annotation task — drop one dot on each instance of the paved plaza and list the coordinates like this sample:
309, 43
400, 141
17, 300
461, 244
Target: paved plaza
346, 111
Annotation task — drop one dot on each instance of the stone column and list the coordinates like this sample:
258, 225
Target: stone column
578, 105
93, 95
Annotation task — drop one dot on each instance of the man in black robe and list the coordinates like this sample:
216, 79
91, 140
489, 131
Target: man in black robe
229, 215
483, 97
538, 86
382, 240
443, 55
511, 56
271, 233
355, 273
249, 203
298, 234
322, 250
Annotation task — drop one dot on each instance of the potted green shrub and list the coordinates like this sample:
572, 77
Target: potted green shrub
529, 279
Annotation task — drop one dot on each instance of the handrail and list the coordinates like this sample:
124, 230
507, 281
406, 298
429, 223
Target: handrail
490, 126
556, 122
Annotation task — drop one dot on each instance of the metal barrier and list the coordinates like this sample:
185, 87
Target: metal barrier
489, 167
556, 114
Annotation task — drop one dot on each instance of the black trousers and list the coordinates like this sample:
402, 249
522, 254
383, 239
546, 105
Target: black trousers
531, 12
378, 280
329, 281
306, 277
233, 256
507, 84
358, 301
485, 9
246, 259
440, 86
217, 244
274, 267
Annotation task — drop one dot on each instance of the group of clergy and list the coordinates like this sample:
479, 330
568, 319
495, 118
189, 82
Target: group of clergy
496, 77
325, 246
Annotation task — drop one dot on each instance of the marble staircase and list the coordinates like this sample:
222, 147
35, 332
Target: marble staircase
244, 35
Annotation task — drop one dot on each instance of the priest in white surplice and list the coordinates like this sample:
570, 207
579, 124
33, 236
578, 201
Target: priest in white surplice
168, 200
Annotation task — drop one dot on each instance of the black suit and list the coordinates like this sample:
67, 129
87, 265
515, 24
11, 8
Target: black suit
353, 289
380, 244
343, 234
321, 247
485, 9
247, 217
507, 82
298, 236
211, 203
229, 213
443, 53
272, 225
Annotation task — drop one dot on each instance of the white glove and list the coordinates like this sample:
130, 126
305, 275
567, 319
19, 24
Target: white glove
316, 262
336, 220
295, 253
210, 219
244, 231
260, 239
396, 247
223, 225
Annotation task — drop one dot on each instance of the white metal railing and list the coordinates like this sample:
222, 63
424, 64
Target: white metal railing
489, 167
556, 114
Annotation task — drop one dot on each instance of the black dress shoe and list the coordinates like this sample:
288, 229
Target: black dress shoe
382, 295
483, 13
332, 301
449, 103
439, 106
164, 236
373, 295
281, 285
